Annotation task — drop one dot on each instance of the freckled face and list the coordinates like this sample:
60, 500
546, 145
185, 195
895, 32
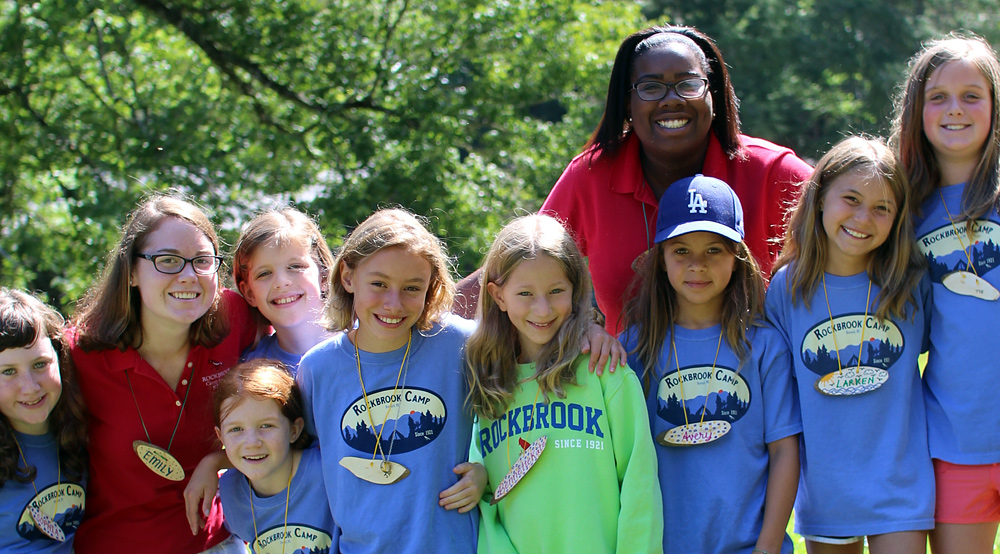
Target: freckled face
858, 213
30, 386
957, 112
284, 283
673, 126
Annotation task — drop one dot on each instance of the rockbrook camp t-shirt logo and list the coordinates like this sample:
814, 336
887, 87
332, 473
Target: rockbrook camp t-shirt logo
70, 499
413, 417
722, 393
883, 344
293, 539
950, 266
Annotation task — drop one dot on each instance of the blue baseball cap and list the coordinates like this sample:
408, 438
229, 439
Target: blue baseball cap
699, 203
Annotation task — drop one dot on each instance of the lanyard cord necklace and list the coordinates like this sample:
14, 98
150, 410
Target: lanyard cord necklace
179, 416
385, 467
680, 379
957, 236
833, 333
158, 460
253, 516
43, 523
534, 417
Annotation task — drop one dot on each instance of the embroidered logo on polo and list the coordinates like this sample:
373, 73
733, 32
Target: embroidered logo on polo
67, 498
722, 394
293, 539
413, 418
861, 365
958, 262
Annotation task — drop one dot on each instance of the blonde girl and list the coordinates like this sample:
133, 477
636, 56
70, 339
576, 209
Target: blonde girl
384, 397
153, 337
43, 445
717, 380
271, 500
281, 266
849, 300
947, 136
530, 385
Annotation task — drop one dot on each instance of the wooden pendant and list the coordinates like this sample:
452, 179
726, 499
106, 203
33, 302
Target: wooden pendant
380, 473
969, 284
694, 433
520, 469
852, 381
45, 524
159, 461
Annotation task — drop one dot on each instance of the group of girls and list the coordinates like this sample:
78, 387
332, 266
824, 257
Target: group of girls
809, 393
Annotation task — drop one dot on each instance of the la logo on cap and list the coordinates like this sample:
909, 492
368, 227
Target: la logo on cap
696, 203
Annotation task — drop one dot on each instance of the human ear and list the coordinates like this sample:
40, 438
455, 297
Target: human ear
495, 291
218, 434
247, 293
347, 278
297, 427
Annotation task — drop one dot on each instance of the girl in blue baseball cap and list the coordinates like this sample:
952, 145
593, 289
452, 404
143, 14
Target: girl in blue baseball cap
717, 379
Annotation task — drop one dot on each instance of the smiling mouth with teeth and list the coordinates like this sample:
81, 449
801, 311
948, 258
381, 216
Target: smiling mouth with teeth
287, 300
672, 123
855, 234
255, 458
184, 295
34, 402
389, 320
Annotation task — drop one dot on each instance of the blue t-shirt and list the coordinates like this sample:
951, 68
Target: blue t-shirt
268, 348
56, 495
427, 430
714, 493
866, 468
962, 374
310, 528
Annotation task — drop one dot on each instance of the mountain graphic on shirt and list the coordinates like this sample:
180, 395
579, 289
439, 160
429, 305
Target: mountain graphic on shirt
403, 419
947, 251
717, 394
883, 344
67, 498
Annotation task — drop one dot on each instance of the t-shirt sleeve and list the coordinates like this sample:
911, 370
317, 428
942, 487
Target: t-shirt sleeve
563, 202
640, 521
304, 379
783, 181
240, 319
782, 417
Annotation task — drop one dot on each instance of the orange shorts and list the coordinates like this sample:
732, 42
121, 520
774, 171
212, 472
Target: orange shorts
967, 493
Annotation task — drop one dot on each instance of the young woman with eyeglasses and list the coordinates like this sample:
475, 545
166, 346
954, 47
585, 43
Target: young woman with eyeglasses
151, 340
671, 113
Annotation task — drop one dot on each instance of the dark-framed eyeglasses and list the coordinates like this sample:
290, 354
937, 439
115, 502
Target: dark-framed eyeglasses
172, 264
694, 87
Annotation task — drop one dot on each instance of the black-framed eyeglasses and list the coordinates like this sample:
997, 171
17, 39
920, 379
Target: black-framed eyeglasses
172, 264
694, 87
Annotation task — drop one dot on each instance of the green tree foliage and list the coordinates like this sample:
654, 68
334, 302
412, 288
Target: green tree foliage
462, 110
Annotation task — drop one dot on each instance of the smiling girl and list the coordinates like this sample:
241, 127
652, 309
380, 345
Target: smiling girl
43, 454
849, 300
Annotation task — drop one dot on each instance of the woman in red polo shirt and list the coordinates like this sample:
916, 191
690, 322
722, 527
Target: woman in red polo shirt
670, 113
151, 340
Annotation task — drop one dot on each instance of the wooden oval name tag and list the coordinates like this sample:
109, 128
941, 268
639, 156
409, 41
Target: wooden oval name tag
520, 468
694, 433
380, 473
159, 461
852, 381
45, 524
969, 284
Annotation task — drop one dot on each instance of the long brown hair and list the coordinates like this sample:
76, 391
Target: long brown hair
108, 316
492, 350
651, 311
613, 129
894, 266
391, 228
916, 155
24, 320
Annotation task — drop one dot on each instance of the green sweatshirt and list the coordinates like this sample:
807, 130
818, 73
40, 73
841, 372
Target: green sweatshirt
594, 488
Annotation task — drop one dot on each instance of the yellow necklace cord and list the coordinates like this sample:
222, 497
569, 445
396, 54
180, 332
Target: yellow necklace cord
534, 416
364, 394
680, 378
58, 474
253, 516
957, 236
833, 332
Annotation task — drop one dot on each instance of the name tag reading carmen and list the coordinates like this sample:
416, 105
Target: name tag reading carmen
159, 461
694, 433
45, 524
852, 381
969, 284
380, 473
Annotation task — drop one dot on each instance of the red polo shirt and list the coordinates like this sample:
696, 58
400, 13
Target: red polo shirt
601, 201
129, 508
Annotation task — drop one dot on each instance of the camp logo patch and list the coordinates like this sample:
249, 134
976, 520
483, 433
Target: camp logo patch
414, 416
943, 249
67, 499
722, 393
293, 539
883, 343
